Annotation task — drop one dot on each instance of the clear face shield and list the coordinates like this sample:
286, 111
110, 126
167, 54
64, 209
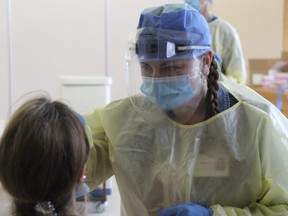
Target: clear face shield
164, 77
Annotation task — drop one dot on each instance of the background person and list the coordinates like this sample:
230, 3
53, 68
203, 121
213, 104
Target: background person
43, 152
225, 42
182, 142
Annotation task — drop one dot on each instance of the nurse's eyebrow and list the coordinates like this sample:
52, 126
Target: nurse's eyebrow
166, 63
172, 63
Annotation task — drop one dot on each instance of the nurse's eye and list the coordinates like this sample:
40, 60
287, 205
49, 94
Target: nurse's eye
146, 69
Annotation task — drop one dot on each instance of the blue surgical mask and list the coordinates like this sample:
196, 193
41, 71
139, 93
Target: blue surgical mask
194, 3
168, 92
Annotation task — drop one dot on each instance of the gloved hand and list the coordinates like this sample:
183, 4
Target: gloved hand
186, 209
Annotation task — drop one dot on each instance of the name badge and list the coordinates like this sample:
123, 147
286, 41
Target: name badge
208, 166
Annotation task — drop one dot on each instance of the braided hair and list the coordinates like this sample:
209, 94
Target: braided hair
213, 86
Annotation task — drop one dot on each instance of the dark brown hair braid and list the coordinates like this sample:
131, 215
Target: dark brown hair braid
212, 84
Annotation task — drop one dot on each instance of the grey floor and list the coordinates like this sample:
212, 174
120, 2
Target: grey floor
112, 207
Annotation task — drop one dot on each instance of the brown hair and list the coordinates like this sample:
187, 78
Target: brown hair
43, 152
213, 86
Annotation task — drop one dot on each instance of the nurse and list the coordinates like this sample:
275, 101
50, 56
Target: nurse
183, 142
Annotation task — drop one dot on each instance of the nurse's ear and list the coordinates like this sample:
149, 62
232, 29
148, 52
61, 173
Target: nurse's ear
207, 59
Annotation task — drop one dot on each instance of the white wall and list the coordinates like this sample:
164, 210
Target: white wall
52, 38
259, 24
67, 37
3, 60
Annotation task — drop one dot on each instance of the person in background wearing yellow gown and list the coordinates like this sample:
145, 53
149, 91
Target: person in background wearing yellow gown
225, 42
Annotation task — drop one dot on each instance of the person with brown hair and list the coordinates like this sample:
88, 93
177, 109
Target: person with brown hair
43, 152
183, 142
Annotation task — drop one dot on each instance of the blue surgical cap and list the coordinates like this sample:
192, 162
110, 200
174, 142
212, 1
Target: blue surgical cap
172, 31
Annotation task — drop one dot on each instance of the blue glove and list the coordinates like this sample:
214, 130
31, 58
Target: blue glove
81, 191
81, 118
187, 209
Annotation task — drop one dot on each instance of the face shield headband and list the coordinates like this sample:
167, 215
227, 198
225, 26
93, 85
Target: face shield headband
151, 44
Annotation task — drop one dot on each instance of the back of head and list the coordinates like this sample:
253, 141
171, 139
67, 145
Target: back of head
43, 152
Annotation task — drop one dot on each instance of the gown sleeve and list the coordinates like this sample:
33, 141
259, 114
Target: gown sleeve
98, 168
272, 198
